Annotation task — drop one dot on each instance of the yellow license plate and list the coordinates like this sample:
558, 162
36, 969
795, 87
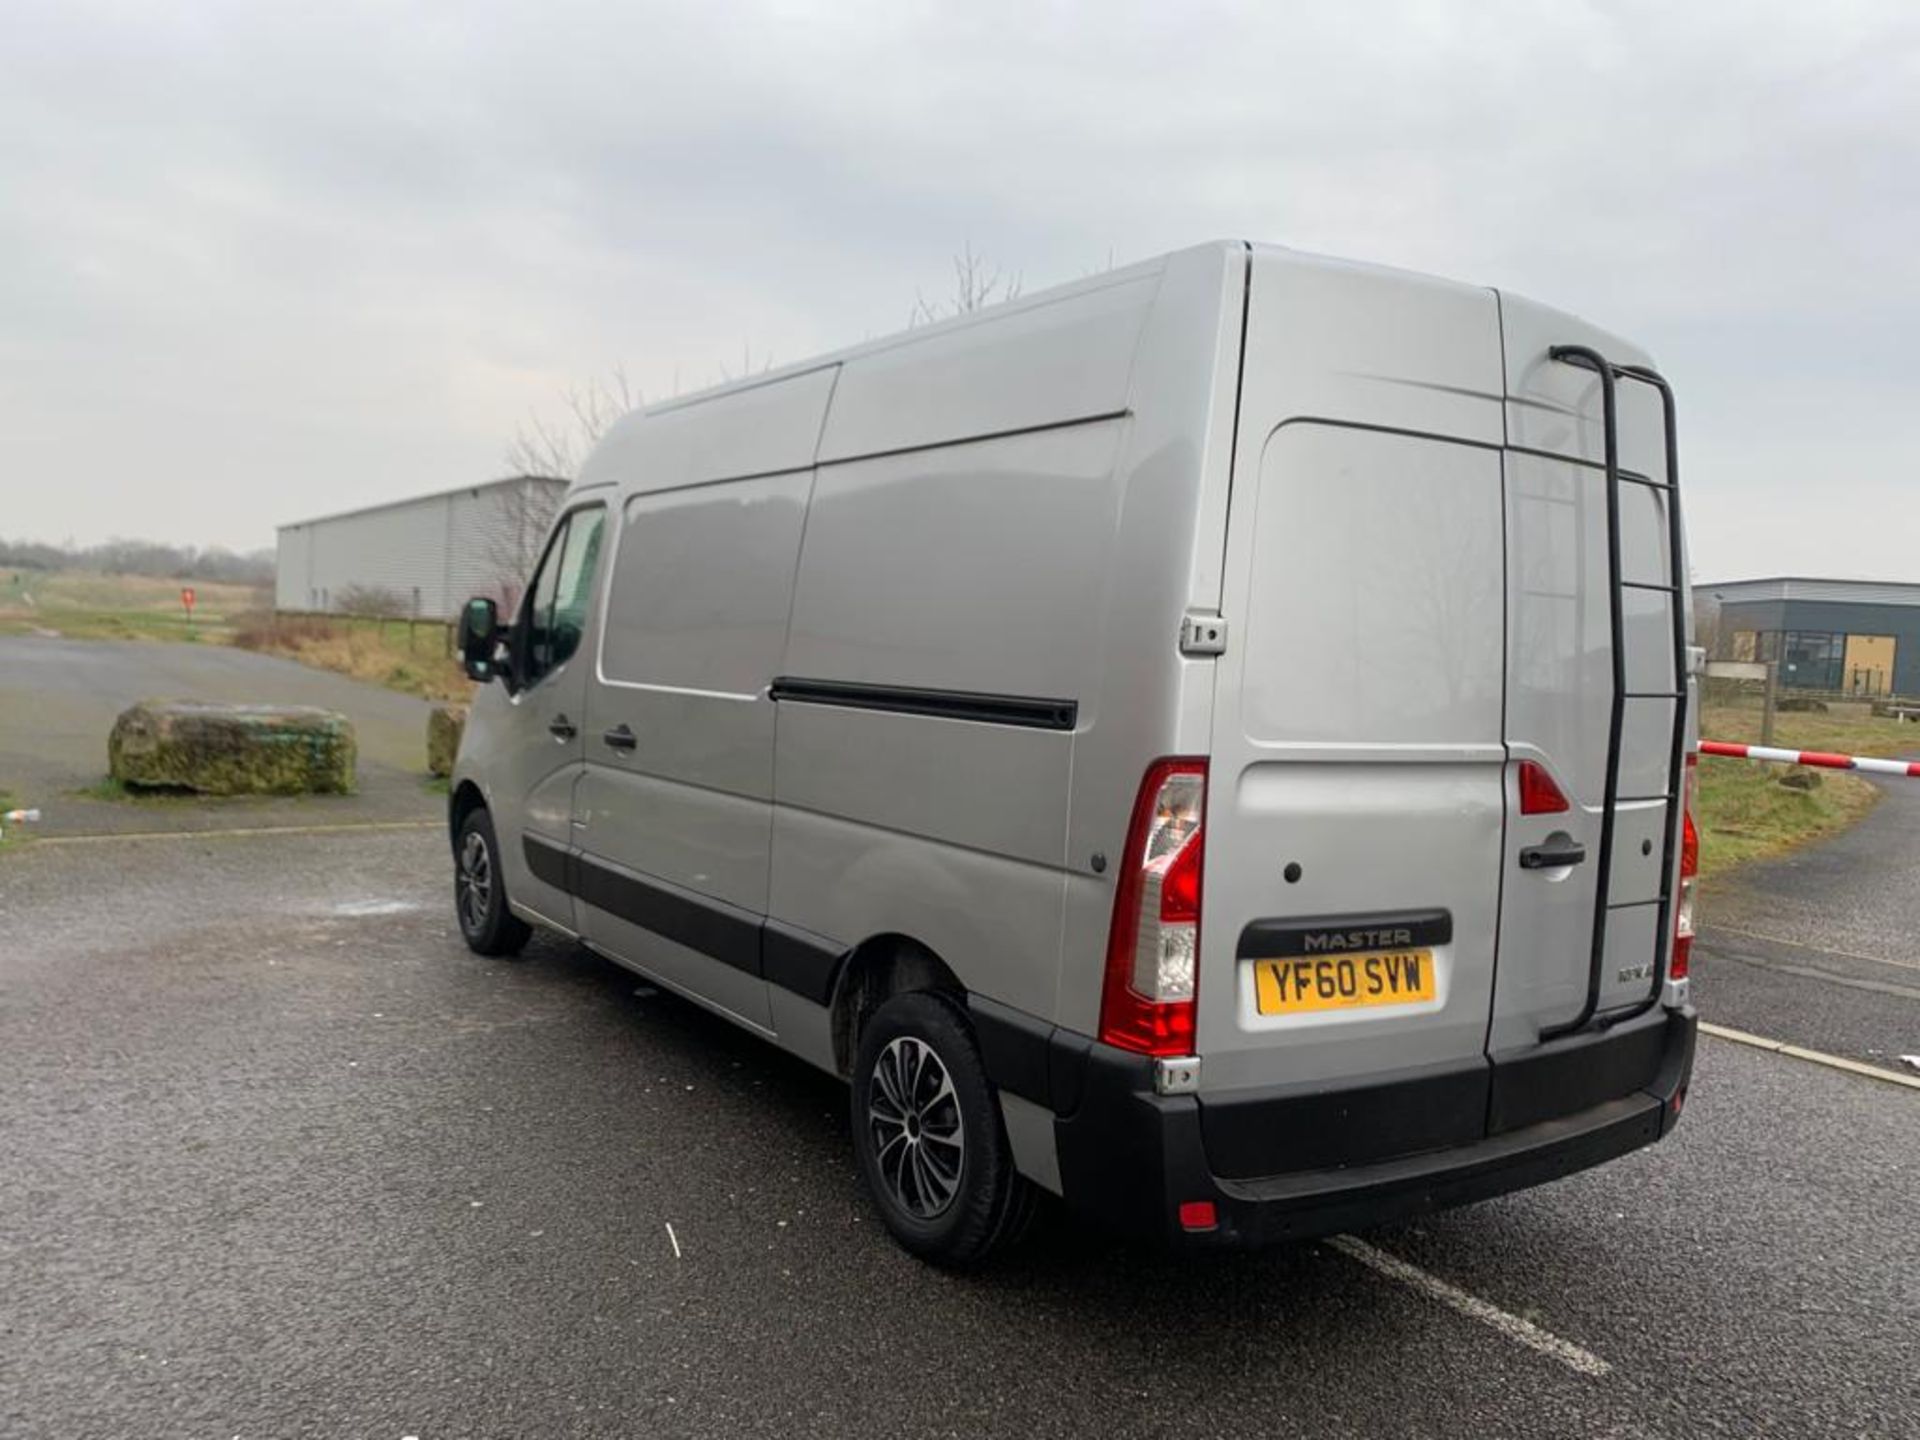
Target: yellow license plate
1342, 982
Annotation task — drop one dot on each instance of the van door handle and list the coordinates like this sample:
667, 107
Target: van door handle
561, 728
1552, 857
620, 737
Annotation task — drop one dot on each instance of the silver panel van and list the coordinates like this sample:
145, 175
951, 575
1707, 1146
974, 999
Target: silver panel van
1211, 742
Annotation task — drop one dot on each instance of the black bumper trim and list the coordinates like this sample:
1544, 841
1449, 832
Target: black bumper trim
1131, 1157
1301, 1207
1313, 1127
1574, 1074
1015, 1048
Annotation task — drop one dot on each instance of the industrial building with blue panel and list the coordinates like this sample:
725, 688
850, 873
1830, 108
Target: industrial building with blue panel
1842, 637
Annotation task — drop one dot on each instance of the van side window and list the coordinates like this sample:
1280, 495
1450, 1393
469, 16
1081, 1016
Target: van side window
574, 592
556, 614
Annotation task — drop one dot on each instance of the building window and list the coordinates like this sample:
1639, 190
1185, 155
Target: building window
1811, 659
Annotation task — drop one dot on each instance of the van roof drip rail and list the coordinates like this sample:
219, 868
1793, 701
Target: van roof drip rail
1609, 375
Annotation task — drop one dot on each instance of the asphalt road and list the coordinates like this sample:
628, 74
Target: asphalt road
1822, 947
58, 700
278, 1157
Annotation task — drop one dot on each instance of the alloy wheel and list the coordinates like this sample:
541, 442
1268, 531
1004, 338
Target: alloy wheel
918, 1137
476, 882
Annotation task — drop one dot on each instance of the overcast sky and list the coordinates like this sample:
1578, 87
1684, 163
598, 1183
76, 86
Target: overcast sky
256, 267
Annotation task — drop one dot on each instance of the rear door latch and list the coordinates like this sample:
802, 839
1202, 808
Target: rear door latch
1203, 635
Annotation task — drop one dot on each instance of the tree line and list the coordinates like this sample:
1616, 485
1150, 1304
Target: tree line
143, 557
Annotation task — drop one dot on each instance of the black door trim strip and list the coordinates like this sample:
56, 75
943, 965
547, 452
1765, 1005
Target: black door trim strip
549, 862
1030, 1057
798, 961
1019, 710
783, 955
713, 927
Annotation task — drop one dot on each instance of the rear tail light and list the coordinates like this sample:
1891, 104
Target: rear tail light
1689, 868
1539, 795
1153, 948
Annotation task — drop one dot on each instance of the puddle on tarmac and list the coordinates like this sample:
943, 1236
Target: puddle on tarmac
373, 907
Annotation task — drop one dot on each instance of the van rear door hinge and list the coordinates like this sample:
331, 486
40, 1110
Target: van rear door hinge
1203, 635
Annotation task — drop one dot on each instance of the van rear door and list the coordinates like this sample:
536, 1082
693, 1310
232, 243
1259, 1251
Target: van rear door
1564, 672
1420, 597
1356, 799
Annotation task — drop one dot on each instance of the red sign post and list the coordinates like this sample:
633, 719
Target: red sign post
186, 599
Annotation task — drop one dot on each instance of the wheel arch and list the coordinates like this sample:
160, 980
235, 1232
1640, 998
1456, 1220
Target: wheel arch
873, 972
465, 799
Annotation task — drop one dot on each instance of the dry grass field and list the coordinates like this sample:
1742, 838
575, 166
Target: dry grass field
84, 605
411, 658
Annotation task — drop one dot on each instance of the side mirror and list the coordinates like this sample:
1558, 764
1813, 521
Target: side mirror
479, 637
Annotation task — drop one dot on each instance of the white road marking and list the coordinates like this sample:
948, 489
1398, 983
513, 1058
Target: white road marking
1813, 1057
675, 1239
40, 842
1524, 1332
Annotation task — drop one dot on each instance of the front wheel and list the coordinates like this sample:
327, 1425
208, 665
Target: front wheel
926, 1126
480, 891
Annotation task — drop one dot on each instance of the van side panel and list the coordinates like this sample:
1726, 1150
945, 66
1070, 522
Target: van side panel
1049, 363
965, 569
755, 429
969, 567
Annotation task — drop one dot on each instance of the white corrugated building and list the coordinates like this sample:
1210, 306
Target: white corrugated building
424, 557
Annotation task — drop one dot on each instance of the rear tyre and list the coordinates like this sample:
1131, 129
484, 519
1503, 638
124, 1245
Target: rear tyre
926, 1126
480, 891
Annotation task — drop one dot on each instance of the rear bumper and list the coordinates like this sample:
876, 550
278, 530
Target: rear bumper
1131, 1158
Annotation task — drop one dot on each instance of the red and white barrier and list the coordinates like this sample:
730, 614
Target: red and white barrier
1810, 757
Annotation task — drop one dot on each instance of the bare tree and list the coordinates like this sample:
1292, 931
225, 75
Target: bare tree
1706, 625
556, 445
548, 448
372, 600
523, 514
976, 285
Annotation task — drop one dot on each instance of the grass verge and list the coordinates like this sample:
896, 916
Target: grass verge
108, 788
410, 659
1745, 813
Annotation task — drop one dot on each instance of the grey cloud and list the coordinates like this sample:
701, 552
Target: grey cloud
254, 266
